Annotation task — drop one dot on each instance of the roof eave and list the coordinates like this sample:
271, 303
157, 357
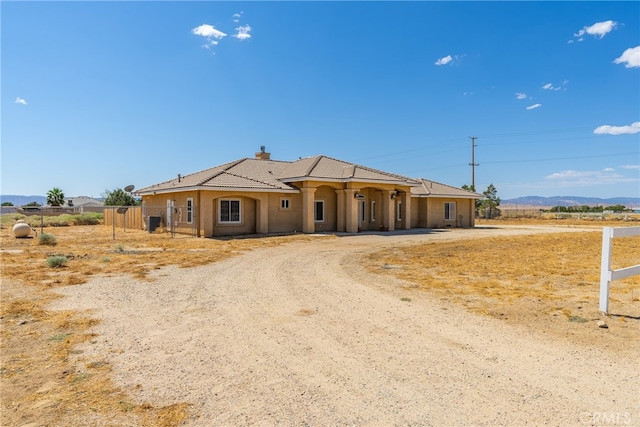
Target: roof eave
207, 188
449, 196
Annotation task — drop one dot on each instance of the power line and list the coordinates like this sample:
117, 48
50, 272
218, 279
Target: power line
561, 158
527, 161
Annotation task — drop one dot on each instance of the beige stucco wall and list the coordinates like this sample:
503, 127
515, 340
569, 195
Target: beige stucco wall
262, 212
430, 214
329, 196
285, 220
156, 205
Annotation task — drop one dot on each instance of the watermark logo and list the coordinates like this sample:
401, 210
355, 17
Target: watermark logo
607, 418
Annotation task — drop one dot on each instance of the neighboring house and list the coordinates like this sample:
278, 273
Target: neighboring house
84, 204
313, 194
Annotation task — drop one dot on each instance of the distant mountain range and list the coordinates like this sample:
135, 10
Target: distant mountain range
630, 202
22, 200
19, 200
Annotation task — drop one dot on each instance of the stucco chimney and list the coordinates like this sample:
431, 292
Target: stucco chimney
263, 155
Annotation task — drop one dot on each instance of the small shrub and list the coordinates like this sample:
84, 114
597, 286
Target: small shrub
87, 219
47, 239
577, 319
57, 261
119, 248
10, 219
59, 337
56, 221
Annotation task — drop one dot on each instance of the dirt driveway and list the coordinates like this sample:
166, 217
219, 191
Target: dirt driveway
302, 334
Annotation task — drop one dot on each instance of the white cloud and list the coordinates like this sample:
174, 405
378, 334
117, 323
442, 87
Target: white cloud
630, 167
599, 29
618, 130
236, 16
243, 32
521, 95
208, 31
444, 60
550, 86
212, 34
631, 57
20, 101
534, 106
573, 178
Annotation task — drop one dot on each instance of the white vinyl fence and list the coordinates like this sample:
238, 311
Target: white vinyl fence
606, 274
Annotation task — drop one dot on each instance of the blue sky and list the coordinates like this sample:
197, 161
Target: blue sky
99, 95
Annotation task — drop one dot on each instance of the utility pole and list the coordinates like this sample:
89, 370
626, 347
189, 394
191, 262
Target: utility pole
473, 163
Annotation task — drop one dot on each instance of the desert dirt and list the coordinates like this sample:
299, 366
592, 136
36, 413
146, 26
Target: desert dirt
307, 333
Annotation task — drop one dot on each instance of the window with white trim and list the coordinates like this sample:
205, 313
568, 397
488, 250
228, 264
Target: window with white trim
190, 210
229, 211
285, 203
373, 211
318, 210
399, 211
450, 210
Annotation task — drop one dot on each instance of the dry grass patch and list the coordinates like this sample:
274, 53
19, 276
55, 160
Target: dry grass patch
522, 279
40, 382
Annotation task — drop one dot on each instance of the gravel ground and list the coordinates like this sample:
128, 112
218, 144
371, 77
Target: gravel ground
302, 334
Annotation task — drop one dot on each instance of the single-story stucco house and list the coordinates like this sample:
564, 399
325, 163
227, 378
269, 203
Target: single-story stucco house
313, 194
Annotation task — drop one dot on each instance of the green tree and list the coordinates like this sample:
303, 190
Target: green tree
616, 208
55, 197
490, 202
472, 188
118, 197
32, 204
7, 204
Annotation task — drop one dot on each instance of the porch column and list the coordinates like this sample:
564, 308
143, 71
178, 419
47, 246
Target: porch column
198, 212
341, 215
308, 197
262, 214
388, 210
406, 210
351, 210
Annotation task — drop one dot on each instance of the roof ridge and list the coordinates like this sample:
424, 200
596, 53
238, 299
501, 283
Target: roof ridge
226, 167
357, 165
314, 164
253, 179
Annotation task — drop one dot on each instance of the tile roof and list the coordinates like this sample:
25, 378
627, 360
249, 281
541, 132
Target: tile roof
323, 167
274, 175
250, 174
436, 189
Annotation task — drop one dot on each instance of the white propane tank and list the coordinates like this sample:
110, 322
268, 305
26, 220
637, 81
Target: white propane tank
21, 229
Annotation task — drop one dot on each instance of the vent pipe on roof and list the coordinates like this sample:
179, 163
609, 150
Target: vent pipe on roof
179, 177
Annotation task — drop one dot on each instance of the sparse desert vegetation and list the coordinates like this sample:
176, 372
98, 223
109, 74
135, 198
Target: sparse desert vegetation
545, 281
